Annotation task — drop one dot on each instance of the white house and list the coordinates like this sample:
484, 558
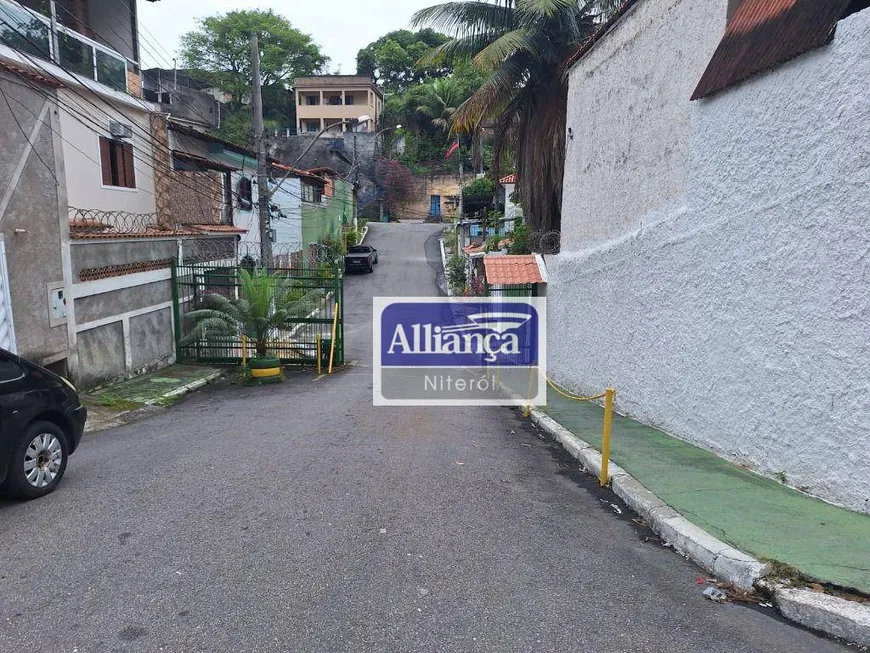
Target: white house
714, 264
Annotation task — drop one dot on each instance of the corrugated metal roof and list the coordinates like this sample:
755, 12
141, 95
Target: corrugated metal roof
512, 269
765, 33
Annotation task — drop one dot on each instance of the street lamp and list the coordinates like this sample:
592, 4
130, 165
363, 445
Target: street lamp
386, 129
351, 121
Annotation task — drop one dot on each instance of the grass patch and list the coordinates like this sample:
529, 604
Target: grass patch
115, 402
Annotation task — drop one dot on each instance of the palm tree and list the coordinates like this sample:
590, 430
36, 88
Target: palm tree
523, 46
267, 303
443, 97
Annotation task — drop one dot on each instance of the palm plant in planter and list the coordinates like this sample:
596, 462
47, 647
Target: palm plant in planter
267, 303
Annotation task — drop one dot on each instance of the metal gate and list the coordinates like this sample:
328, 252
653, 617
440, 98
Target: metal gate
194, 286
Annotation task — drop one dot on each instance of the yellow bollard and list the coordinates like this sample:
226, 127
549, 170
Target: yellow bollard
319, 366
334, 330
244, 350
605, 440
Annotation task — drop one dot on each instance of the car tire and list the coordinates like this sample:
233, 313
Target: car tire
38, 462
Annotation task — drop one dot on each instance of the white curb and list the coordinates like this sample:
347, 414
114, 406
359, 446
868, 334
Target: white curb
185, 389
444, 267
822, 612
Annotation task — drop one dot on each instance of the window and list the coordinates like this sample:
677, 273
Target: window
348, 99
312, 100
311, 126
116, 158
10, 370
335, 101
246, 194
311, 193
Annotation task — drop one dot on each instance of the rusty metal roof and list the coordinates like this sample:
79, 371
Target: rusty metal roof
512, 270
763, 34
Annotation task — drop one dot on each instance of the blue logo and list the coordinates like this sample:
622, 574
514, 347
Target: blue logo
459, 334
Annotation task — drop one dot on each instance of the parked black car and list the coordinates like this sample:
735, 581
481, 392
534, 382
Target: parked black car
41, 424
360, 257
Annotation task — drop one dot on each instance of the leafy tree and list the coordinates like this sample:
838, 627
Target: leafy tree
392, 59
267, 303
396, 182
523, 46
220, 49
482, 187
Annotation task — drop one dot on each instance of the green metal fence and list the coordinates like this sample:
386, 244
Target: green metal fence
294, 344
511, 290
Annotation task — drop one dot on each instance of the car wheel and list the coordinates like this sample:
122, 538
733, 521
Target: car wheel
38, 462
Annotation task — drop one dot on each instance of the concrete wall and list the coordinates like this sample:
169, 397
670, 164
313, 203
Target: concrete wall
631, 119
739, 320
81, 152
33, 219
288, 223
425, 186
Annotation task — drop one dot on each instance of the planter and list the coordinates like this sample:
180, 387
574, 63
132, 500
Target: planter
264, 368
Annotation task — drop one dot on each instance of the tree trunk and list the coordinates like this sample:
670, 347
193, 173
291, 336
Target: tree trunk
261, 348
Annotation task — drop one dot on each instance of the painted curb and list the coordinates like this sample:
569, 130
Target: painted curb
825, 613
821, 612
444, 267
365, 233
187, 388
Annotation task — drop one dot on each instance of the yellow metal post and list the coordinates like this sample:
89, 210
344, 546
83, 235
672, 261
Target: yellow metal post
332, 344
244, 350
605, 440
319, 362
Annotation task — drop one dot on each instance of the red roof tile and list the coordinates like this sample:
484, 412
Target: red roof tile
29, 74
509, 270
510, 179
218, 228
763, 34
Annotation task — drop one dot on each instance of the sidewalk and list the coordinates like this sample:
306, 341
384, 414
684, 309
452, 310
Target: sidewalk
753, 514
107, 405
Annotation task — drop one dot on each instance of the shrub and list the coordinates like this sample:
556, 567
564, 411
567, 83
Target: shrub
456, 276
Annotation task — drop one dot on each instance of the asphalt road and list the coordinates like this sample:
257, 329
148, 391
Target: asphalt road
301, 518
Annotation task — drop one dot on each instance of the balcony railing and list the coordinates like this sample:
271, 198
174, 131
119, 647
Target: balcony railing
30, 32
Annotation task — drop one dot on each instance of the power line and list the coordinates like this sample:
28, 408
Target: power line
27, 138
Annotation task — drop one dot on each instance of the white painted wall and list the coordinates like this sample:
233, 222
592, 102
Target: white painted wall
288, 228
82, 122
629, 114
511, 211
739, 320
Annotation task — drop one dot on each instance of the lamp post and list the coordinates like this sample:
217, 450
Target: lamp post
386, 129
351, 121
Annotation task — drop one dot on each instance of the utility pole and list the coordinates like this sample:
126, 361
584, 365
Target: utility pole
461, 199
262, 164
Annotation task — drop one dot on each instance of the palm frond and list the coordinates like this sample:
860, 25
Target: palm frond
466, 17
505, 45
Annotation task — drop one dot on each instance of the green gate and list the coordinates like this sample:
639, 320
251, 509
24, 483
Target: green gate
295, 344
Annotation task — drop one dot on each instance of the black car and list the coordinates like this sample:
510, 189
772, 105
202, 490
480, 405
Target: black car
360, 257
41, 424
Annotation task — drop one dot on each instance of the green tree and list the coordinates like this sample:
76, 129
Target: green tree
523, 46
392, 59
220, 49
266, 304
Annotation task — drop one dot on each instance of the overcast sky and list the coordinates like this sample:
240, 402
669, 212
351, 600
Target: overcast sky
339, 27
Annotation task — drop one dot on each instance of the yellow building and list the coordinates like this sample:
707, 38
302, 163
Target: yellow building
324, 100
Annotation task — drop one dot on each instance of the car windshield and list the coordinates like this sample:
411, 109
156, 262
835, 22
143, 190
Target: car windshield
359, 249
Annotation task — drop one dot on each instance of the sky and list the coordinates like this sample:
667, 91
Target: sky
339, 27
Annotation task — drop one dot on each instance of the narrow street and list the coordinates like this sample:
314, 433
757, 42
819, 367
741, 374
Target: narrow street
301, 518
